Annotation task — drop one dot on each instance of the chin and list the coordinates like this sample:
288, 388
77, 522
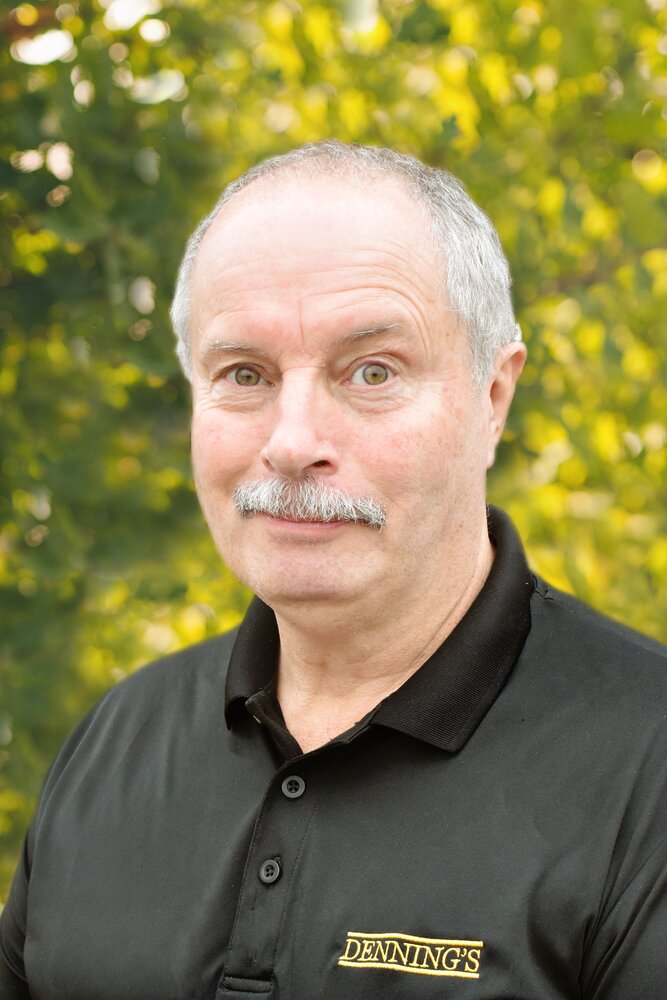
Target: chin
299, 573
294, 587
298, 592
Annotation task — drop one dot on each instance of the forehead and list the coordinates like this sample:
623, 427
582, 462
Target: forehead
309, 234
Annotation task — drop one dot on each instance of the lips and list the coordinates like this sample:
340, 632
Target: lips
304, 520
301, 524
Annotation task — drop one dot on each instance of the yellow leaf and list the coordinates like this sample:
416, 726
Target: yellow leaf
495, 77
639, 362
278, 19
551, 197
551, 39
191, 624
318, 29
353, 110
606, 438
599, 222
465, 27
460, 105
539, 430
590, 338
650, 169
573, 472
454, 66
655, 260
656, 559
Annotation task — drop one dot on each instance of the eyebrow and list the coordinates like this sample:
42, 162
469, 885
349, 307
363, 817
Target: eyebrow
371, 331
217, 346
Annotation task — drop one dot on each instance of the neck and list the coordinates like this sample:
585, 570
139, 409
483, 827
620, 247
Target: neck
337, 663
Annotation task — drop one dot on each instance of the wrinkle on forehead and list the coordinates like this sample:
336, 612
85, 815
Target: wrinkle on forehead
321, 249
328, 188
246, 218
384, 262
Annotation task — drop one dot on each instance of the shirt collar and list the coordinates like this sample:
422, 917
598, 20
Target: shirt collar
446, 699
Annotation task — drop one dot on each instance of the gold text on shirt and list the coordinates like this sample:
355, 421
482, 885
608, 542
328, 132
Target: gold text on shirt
407, 953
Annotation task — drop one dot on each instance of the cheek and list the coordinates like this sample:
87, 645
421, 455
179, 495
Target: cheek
221, 449
405, 463
420, 459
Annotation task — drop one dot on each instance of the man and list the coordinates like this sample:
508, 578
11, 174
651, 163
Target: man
415, 770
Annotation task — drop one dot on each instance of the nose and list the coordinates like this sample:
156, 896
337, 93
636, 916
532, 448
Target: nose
300, 440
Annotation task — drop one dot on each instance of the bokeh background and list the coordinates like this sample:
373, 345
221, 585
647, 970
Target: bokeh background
121, 120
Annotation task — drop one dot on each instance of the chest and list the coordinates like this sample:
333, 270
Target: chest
381, 869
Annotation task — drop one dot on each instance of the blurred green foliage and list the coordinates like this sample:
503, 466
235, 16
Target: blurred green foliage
121, 122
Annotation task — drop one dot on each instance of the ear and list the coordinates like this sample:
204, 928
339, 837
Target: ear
500, 392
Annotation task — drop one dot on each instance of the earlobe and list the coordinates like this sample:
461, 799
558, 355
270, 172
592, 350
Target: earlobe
508, 368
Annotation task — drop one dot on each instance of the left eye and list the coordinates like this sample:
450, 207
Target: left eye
244, 376
371, 374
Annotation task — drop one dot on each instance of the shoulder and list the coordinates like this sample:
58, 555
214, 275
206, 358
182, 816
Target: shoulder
578, 629
170, 699
582, 657
197, 671
586, 709
201, 663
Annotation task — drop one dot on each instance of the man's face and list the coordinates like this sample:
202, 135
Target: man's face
323, 348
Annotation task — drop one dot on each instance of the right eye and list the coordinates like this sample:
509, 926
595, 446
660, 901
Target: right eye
244, 376
371, 373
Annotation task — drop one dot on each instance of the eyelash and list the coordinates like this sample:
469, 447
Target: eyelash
373, 363
228, 374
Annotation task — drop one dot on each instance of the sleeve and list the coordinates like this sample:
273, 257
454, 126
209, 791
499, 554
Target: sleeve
13, 983
14, 917
630, 946
626, 957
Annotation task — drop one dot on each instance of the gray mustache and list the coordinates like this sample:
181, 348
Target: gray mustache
306, 500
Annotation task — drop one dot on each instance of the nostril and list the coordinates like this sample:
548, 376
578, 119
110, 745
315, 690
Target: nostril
318, 465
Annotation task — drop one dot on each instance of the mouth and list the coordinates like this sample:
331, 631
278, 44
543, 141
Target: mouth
304, 520
300, 525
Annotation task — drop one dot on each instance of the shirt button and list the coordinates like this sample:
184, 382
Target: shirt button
269, 871
293, 786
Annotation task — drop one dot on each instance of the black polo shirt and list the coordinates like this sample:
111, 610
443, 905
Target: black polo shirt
493, 830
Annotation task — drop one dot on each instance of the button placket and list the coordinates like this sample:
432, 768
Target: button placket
271, 862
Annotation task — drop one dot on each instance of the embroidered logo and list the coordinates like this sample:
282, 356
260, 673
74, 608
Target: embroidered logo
406, 953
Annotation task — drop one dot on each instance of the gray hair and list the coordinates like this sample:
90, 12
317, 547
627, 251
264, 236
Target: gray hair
306, 500
476, 273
